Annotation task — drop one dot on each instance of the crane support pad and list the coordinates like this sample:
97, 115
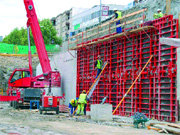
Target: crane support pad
8, 98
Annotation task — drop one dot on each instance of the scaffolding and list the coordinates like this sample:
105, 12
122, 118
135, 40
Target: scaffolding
154, 93
107, 29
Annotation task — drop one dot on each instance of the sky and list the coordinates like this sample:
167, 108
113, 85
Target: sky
13, 14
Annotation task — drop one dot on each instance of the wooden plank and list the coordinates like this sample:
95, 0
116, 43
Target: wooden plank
168, 7
132, 14
109, 22
126, 16
169, 129
115, 36
168, 124
173, 125
129, 22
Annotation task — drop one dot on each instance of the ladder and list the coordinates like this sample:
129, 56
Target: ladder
93, 86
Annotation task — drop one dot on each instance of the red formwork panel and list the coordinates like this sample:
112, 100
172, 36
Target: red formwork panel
155, 93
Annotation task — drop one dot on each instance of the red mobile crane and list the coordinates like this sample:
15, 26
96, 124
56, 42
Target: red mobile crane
22, 85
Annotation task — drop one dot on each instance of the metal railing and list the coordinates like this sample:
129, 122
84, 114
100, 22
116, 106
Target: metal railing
106, 29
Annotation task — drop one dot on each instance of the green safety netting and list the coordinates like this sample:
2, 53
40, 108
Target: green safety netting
20, 49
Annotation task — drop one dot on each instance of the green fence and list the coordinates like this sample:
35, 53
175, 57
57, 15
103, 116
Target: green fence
20, 49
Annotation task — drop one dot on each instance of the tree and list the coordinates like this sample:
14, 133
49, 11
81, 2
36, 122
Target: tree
20, 36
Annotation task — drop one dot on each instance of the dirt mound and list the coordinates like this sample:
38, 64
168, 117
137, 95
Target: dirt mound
8, 64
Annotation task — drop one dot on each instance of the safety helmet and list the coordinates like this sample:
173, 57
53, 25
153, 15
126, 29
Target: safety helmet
158, 10
99, 56
84, 91
72, 101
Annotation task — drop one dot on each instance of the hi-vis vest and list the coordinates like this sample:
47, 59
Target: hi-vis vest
158, 15
99, 64
119, 14
82, 98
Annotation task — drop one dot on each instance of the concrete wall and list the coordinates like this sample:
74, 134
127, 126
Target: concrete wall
101, 112
66, 65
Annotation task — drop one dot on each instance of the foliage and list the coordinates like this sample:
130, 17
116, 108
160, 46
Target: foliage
19, 36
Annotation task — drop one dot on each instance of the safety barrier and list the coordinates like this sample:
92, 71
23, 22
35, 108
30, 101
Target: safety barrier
19, 49
155, 93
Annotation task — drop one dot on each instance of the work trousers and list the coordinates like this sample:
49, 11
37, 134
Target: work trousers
118, 29
80, 110
85, 109
98, 72
73, 108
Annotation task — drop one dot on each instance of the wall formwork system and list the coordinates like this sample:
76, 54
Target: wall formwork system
155, 92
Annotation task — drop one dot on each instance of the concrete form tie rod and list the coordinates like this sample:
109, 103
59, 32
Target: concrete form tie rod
93, 84
132, 84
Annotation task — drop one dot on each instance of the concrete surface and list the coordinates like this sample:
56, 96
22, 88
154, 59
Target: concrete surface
66, 65
101, 112
26, 122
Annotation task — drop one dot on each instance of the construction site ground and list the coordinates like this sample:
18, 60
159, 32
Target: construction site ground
30, 122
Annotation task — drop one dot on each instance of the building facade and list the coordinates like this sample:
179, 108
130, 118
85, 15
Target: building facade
76, 20
63, 22
92, 16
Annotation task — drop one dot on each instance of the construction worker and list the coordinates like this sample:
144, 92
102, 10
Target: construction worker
159, 14
73, 104
118, 15
98, 65
81, 103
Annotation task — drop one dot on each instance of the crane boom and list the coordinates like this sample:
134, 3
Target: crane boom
22, 85
37, 35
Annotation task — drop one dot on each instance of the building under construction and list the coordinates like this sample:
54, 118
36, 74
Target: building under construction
155, 91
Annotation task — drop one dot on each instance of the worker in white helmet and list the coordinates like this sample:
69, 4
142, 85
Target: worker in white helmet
159, 14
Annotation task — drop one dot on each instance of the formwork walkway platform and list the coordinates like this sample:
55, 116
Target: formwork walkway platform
155, 92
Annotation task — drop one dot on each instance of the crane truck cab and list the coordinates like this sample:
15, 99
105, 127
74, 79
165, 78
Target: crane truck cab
20, 78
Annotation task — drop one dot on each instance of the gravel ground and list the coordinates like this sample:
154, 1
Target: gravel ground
26, 122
